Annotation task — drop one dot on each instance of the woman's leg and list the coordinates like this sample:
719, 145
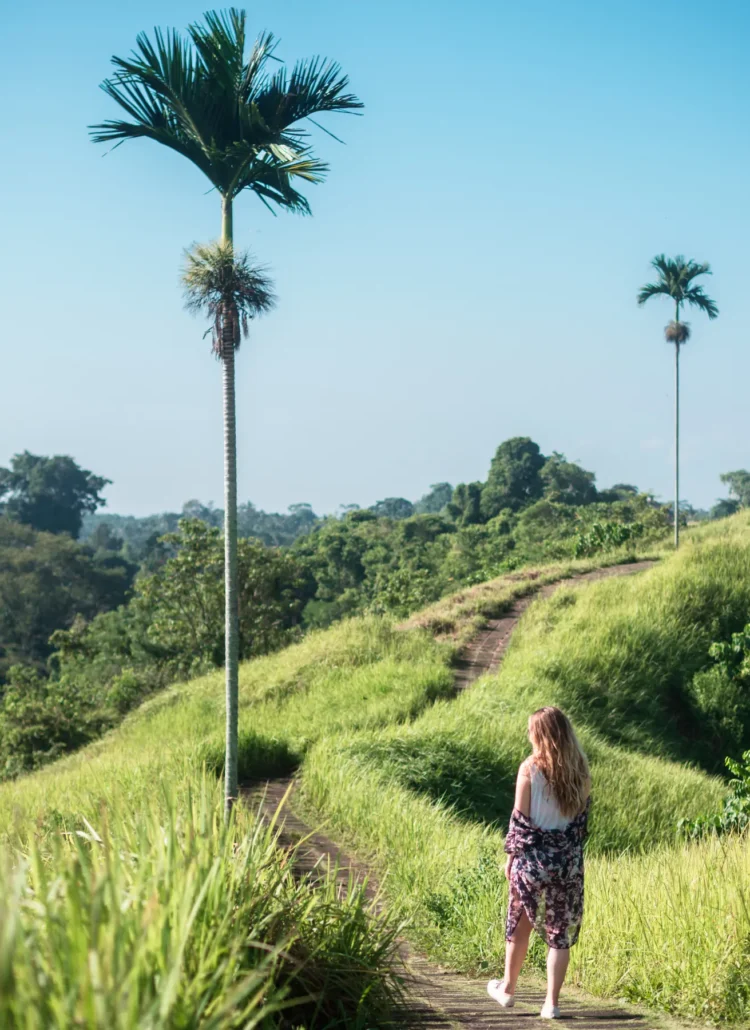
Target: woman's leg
557, 967
515, 953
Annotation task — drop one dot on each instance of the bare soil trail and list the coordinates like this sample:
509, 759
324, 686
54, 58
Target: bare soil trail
484, 653
438, 997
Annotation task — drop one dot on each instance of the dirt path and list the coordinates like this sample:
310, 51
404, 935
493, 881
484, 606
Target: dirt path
438, 997
485, 651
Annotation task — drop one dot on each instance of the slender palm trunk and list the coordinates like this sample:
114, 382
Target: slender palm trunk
677, 436
231, 625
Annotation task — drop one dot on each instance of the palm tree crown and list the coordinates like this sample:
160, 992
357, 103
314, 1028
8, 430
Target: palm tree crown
675, 280
228, 288
677, 333
228, 113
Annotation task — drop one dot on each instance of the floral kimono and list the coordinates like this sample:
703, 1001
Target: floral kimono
546, 878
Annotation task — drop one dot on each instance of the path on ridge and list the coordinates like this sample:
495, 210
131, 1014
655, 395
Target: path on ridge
484, 653
437, 997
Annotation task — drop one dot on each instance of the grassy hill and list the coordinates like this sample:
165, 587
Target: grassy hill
421, 783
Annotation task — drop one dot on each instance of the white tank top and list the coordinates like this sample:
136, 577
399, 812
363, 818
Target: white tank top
545, 811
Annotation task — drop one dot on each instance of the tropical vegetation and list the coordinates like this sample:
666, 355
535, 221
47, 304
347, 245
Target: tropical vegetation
86, 634
419, 782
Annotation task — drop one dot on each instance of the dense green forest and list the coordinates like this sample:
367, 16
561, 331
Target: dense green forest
97, 611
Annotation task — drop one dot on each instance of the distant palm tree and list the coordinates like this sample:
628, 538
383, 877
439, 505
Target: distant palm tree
675, 280
241, 123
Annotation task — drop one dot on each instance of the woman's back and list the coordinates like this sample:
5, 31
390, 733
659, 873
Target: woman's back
544, 810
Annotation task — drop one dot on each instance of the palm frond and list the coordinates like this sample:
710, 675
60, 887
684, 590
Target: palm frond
652, 290
202, 96
271, 181
220, 44
227, 287
699, 299
675, 276
677, 332
691, 269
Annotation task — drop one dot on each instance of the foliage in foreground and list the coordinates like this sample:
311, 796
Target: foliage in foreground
164, 918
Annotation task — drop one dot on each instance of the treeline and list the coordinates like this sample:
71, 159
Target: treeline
139, 539
90, 628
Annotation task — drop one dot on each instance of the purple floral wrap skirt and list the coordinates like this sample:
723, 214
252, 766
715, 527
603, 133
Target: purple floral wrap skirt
546, 878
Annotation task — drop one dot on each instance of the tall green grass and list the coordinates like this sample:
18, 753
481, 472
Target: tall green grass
668, 927
621, 656
426, 802
671, 929
165, 917
458, 616
361, 674
157, 917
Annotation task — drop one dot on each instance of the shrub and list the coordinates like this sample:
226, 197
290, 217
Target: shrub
606, 536
41, 719
722, 692
734, 815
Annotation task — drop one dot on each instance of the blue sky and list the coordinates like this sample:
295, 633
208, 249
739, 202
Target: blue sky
469, 273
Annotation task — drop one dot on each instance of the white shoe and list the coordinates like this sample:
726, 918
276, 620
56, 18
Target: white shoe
496, 990
549, 1012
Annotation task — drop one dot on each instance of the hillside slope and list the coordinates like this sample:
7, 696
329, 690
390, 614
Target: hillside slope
362, 674
420, 781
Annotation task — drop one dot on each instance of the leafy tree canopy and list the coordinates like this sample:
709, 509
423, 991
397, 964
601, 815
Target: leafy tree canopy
739, 486
229, 106
724, 507
675, 279
50, 494
393, 508
464, 506
46, 580
184, 599
514, 479
435, 501
567, 483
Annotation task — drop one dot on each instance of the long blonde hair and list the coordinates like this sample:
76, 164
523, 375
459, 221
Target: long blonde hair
558, 755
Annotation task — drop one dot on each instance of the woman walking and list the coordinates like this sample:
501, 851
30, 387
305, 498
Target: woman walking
545, 855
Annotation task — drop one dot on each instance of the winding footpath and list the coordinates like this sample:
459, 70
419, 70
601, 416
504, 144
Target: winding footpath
437, 997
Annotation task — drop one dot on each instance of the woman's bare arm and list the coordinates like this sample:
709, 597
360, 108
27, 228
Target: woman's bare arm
522, 801
523, 789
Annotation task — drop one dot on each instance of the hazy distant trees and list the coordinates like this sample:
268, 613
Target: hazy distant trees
49, 494
393, 508
46, 580
566, 482
514, 479
435, 500
739, 486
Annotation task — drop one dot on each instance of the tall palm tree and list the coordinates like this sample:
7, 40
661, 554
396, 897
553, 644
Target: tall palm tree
241, 120
226, 286
675, 279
